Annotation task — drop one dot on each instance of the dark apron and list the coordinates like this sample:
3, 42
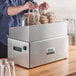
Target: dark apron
3, 51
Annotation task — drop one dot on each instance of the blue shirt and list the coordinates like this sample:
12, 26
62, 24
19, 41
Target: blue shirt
9, 21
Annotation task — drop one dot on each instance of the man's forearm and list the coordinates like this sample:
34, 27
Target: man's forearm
15, 10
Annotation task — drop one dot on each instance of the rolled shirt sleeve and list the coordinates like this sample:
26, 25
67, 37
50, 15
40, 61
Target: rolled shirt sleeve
3, 7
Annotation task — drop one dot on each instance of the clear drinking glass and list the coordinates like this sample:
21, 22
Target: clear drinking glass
1, 70
7, 71
12, 68
7, 68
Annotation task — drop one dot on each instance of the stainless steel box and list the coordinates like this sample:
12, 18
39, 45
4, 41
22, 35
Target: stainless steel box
39, 52
31, 46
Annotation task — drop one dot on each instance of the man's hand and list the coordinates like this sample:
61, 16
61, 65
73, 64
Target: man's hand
29, 5
44, 6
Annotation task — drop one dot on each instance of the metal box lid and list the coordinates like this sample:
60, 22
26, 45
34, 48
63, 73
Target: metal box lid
38, 32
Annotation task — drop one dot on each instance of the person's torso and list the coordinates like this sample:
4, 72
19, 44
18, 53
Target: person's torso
10, 21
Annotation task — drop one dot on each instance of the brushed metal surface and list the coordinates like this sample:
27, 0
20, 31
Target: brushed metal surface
38, 32
38, 51
21, 58
36, 54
